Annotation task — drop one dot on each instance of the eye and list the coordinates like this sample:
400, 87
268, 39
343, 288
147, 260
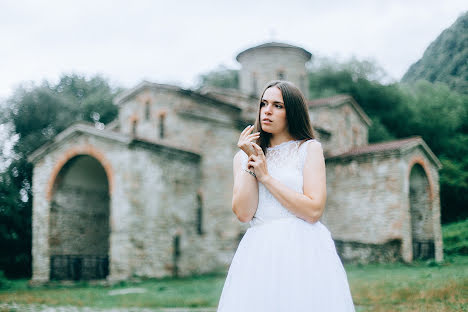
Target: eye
279, 106
262, 104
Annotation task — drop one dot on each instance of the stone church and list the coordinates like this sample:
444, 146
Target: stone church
150, 194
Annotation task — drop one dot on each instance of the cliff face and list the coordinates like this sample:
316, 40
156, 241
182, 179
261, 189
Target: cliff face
445, 60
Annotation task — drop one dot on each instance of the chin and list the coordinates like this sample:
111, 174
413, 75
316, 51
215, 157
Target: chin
270, 131
267, 130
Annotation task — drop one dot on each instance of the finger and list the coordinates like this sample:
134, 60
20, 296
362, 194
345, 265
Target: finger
246, 129
253, 148
258, 148
253, 135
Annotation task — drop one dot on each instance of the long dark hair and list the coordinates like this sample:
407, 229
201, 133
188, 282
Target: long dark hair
297, 114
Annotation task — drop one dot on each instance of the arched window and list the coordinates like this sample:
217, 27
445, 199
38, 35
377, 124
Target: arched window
161, 125
134, 127
199, 214
254, 83
355, 136
147, 110
175, 255
348, 120
280, 74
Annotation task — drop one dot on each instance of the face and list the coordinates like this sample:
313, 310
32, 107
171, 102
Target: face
272, 108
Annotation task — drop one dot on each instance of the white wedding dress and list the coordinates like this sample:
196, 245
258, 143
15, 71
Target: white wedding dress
284, 263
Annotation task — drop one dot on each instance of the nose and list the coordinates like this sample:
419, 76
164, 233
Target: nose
268, 108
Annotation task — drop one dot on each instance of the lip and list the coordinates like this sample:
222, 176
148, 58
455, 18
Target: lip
266, 120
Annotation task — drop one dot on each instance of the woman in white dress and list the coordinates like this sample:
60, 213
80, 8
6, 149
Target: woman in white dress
287, 260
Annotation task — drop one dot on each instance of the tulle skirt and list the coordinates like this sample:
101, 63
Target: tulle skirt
286, 265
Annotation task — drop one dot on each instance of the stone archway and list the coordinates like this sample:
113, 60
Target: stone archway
79, 221
420, 200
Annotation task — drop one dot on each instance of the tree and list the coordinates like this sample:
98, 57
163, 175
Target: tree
36, 114
361, 80
440, 116
432, 111
221, 77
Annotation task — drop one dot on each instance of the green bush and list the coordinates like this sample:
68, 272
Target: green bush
4, 282
455, 237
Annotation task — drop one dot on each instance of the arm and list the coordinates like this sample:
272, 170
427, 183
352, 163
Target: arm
245, 191
310, 205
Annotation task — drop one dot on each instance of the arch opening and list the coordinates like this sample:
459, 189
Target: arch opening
421, 214
79, 221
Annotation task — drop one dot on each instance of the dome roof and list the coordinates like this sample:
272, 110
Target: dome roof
275, 45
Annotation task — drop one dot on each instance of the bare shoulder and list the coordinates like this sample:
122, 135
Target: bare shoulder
314, 154
314, 147
239, 157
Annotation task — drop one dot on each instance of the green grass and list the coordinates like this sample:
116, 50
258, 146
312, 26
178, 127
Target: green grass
419, 286
202, 291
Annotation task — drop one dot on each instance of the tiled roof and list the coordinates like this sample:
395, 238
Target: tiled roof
89, 129
231, 96
388, 146
128, 94
377, 147
336, 99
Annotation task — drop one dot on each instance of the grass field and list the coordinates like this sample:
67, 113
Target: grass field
419, 286
375, 287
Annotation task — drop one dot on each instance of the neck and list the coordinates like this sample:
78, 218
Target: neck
277, 139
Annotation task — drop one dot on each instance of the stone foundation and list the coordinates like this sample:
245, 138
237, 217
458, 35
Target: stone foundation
354, 252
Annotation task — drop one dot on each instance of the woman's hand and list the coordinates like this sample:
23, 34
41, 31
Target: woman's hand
258, 162
245, 140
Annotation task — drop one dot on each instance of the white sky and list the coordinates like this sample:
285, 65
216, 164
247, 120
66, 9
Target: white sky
174, 41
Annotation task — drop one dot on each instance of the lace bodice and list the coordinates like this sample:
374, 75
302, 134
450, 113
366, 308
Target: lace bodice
284, 162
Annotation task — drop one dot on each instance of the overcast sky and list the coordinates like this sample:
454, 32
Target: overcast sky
174, 41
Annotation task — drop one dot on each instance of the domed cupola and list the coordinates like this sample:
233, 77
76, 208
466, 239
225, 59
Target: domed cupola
271, 61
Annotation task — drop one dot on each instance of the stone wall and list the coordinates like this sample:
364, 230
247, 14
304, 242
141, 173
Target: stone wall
162, 192
165, 106
426, 175
213, 131
143, 212
364, 198
259, 66
355, 252
368, 205
346, 127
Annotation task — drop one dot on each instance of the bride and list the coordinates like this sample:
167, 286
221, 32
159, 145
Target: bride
287, 260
